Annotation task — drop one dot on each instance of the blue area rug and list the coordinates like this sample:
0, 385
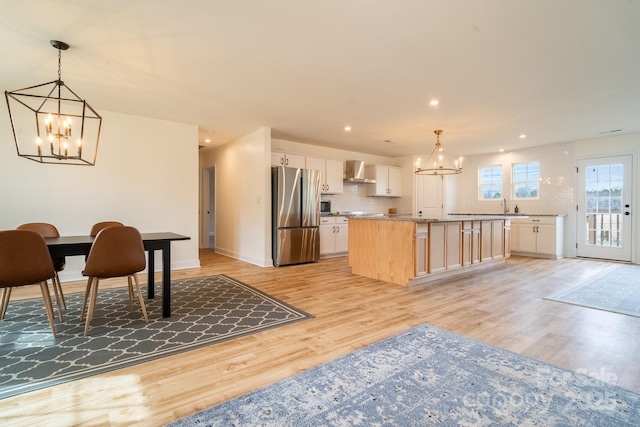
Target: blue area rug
616, 290
205, 311
427, 376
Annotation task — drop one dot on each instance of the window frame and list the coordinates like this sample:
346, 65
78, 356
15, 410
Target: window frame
482, 183
515, 182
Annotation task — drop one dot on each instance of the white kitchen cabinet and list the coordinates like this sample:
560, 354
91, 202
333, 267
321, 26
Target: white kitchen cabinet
388, 180
539, 236
289, 160
334, 236
331, 174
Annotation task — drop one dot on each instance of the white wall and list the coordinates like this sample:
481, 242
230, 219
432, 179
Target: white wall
146, 176
558, 181
243, 197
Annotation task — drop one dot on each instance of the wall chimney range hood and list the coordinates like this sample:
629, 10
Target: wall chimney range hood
354, 172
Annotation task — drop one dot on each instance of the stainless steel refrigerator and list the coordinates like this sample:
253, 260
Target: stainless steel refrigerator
296, 215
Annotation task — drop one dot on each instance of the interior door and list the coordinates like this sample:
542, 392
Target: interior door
604, 208
429, 201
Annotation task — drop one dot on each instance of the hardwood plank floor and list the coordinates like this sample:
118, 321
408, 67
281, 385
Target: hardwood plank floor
501, 306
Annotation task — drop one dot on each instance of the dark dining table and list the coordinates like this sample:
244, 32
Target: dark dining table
81, 245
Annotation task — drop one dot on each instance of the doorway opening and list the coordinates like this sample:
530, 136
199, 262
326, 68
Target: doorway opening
208, 219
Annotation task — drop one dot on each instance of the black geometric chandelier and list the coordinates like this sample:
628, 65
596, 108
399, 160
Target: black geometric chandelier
51, 124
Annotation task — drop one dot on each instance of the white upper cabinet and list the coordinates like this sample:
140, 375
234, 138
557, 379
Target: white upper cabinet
388, 180
331, 174
288, 160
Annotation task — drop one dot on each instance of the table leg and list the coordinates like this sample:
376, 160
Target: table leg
151, 271
166, 279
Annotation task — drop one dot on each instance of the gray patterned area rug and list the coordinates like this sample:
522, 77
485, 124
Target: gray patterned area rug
427, 376
205, 311
616, 290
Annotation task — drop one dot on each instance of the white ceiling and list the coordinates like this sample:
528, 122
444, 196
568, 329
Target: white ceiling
555, 70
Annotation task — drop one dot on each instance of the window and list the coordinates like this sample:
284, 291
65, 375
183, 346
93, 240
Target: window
490, 180
526, 180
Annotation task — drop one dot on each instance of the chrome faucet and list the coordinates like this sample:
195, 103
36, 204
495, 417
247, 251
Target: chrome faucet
505, 209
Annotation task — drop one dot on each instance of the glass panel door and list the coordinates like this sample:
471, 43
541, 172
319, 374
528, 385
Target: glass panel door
604, 208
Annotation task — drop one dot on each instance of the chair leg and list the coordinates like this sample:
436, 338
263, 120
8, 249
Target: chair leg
4, 301
130, 293
44, 288
92, 305
86, 297
142, 305
59, 285
58, 298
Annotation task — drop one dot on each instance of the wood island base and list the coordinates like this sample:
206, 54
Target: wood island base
415, 251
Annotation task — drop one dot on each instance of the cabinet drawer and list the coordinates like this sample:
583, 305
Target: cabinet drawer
537, 220
342, 220
327, 220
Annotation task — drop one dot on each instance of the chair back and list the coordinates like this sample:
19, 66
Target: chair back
46, 230
24, 258
42, 228
116, 252
102, 225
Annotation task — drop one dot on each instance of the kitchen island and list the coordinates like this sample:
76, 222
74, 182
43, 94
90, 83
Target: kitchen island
414, 251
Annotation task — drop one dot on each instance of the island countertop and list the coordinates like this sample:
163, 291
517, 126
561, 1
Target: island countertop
448, 218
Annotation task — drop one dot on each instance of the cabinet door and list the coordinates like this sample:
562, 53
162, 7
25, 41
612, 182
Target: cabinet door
288, 160
327, 239
497, 245
486, 237
546, 239
453, 248
527, 237
470, 243
277, 159
437, 247
294, 161
381, 175
394, 181
341, 238
334, 175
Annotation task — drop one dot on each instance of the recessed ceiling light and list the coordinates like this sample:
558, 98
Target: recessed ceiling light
207, 140
501, 150
434, 102
347, 128
523, 136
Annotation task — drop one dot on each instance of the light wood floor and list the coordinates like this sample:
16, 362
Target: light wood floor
502, 307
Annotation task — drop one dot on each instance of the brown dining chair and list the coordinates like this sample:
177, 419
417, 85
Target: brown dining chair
49, 230
25, 260
115, 252
95, 229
